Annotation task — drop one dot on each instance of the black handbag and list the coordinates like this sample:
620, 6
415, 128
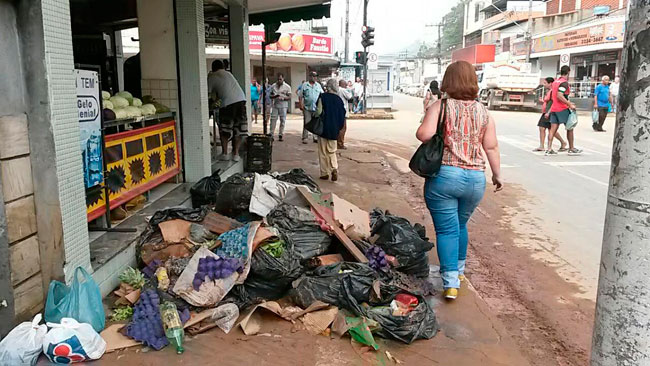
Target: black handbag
315, 125
428, 157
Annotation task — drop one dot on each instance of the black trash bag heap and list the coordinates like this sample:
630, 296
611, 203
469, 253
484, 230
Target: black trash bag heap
234, 196
300, 177
269, 279
299, 227
408, 243
204, 192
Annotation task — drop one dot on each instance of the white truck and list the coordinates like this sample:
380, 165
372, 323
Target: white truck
508, 85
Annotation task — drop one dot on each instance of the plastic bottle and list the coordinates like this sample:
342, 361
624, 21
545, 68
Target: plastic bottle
172, 325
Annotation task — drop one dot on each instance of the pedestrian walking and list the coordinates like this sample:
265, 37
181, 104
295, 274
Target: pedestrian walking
233, 118
269, 103
346, 96
331, 110
544, 122
602, 103
358, 91
453, 195
613, 90
308, 100
560, 111
280, 94
255, 98
359, 107
433, 94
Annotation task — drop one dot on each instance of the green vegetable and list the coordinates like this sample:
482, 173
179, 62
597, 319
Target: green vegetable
148, 109
146, 99
132, 277
119, 102
160, 108
120, 113
122, 313
275, 249
126, 95
133, 112
106, 95
136, 102
108, 104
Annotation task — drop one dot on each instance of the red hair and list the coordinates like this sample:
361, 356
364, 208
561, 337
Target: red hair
460, 81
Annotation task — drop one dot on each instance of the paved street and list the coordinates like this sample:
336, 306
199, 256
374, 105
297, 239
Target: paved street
562, 210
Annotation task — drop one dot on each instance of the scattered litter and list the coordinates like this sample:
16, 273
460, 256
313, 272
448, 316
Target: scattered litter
392, 358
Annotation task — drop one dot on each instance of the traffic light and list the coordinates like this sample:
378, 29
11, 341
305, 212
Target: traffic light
359, 57
367, 36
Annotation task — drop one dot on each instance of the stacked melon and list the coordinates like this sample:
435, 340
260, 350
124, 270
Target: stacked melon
124, 105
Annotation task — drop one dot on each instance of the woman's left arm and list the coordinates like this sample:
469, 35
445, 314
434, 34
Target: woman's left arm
319, 107
430, 123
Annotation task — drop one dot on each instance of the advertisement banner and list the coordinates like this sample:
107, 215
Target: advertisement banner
293, 43
597, 34
217, 32
90, 125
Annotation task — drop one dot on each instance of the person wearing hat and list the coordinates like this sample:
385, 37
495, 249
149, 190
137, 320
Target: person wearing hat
308, 100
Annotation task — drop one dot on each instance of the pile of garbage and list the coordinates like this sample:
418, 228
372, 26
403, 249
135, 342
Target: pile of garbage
265, 241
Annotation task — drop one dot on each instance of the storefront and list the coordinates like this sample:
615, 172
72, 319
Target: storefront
60, 56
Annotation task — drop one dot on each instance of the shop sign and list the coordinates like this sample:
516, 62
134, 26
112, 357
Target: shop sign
373, 61
90, 126
293, 43
601, 9
565, 59
217, 32
606, 56
597, 34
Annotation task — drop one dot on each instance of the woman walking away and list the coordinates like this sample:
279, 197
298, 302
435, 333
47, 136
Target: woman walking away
456, 191
332, 113
433, 94
545, 121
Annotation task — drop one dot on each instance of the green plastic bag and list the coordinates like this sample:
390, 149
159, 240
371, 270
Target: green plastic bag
81, 301
361, 330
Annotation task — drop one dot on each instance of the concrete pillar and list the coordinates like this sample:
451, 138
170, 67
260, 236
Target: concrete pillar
193, 88
240, 60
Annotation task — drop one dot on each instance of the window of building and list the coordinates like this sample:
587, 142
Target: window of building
477, 11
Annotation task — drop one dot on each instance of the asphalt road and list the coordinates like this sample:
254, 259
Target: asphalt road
561, 210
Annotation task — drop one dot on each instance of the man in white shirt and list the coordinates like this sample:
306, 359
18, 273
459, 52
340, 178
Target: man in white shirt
280, 95
233, 119
345, 95
358, 91
613, 90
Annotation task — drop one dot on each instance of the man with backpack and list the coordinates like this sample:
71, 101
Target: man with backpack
561, 110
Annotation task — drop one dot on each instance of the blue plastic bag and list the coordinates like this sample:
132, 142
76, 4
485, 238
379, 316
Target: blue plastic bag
81, 301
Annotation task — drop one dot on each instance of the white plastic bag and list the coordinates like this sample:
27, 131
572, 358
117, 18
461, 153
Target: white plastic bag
23, 344
225, 316
72, 341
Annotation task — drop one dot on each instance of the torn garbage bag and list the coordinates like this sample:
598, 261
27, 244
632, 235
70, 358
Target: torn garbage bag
234, 196
269, 278
204, 192
268, 193
408, 243
299, 227
298, 176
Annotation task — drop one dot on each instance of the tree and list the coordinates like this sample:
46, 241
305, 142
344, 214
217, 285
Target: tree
452, 30
621, 330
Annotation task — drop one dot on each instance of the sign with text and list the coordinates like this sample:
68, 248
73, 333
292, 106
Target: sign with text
90, 125
293, 43
597, 34
217, 32
373, 61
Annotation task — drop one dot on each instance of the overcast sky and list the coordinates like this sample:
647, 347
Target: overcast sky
398, 23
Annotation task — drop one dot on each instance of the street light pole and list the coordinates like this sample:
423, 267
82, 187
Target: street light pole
365, 56
347, 30
621, 331
529, 26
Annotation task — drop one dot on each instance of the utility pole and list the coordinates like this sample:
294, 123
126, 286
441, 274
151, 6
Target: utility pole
347, 31
621, 329
439, 46
365, 56
529, 35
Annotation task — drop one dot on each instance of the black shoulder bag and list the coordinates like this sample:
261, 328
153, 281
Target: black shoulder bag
316, 124
428, 157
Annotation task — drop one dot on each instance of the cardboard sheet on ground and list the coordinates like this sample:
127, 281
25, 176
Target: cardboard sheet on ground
354, 221
220, 224
251, 320
116, 340
174, 231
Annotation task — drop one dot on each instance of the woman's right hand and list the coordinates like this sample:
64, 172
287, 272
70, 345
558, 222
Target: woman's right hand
498, 184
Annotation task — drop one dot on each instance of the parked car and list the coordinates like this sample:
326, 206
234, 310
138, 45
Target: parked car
412, 89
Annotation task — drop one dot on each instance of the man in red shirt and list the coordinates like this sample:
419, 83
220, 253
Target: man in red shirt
560, 110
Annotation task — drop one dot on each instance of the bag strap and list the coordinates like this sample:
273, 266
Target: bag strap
442, 117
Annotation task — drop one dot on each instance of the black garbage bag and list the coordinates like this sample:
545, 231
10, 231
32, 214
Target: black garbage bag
204, 192
299, 176
299, 227
269, 278
183, 213
408, 243
234, 196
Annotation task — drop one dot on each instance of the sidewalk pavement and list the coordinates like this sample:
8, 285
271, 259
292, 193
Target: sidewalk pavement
470, 333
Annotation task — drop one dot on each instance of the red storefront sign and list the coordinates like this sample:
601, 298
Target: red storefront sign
296, 43
475, 55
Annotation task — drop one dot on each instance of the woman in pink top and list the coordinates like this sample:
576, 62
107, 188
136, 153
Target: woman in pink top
454, 194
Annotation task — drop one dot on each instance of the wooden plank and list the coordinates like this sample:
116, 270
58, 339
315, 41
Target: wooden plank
15, 138
16, 177
29, 296
6, 289
25, 260
21, 218
349, 245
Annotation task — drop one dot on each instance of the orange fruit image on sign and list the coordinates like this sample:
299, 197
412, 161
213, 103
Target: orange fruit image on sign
273, 46
298, 42
284, 43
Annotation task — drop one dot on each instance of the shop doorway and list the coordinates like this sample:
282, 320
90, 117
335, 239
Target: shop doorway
608, 69
583, 72
272, 73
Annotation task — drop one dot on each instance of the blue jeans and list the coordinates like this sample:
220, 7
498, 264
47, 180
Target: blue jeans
452, 197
